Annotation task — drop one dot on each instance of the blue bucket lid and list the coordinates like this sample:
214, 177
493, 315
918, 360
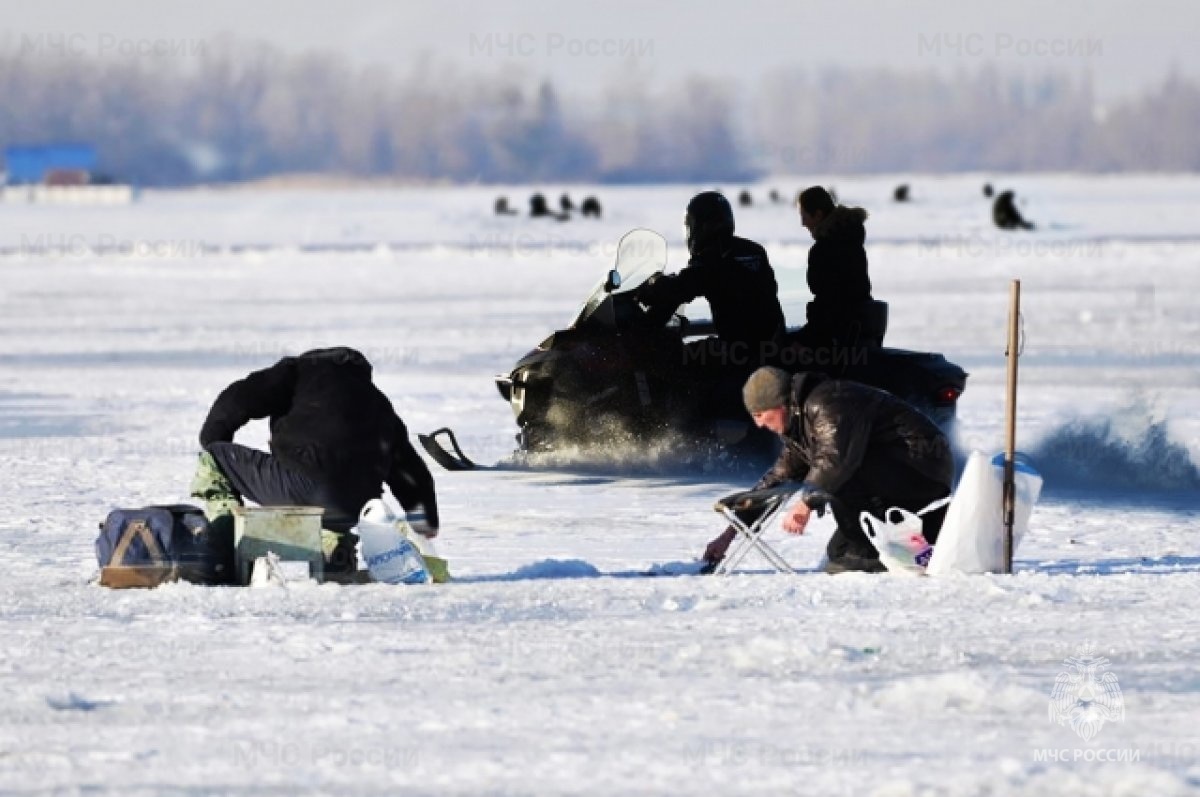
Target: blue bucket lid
1021, 463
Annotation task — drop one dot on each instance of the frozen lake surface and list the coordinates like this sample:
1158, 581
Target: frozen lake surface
549, 667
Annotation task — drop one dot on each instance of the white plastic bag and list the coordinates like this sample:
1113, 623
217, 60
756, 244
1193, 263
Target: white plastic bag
900, 538
270, 570
972, 535
390, 556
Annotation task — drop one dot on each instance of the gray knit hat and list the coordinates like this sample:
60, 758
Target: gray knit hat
766, 389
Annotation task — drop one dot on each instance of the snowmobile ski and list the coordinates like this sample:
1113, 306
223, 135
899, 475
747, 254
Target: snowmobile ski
456, 461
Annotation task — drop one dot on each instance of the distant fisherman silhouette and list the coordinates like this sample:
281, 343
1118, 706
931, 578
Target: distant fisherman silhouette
502, 208
538, 206
590, 207
1005, 213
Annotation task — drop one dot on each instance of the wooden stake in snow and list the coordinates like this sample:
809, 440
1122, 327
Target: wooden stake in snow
1010, 421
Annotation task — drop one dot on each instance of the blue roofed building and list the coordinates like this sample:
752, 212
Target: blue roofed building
27, 165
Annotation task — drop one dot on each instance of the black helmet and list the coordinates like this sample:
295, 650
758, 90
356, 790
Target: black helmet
709, 220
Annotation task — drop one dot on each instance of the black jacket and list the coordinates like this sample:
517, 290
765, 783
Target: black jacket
835, 428
1006, 215
837, 264
737, 280
328, 420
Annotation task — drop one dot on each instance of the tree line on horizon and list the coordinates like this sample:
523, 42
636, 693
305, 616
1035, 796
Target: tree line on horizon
247, 111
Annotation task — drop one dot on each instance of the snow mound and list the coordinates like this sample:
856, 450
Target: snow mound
1011, 776
75, 702
968, 692
556, 568
681, 568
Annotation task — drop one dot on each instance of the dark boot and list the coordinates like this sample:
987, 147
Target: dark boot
341, 552
854, 563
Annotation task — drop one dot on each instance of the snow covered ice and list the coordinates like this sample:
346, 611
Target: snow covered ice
550, 667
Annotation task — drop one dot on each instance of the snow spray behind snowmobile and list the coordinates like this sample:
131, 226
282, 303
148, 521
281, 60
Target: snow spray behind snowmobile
613, 377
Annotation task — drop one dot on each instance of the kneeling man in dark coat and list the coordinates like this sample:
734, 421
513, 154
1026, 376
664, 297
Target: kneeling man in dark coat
335, 441
864, 447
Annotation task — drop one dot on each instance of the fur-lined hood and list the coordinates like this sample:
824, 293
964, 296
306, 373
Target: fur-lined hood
843, 223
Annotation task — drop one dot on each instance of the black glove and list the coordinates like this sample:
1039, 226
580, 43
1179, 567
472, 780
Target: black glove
816, 499
645, 292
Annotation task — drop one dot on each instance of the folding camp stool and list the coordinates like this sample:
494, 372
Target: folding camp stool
767, 503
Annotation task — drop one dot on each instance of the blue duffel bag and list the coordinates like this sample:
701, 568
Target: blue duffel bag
148, 546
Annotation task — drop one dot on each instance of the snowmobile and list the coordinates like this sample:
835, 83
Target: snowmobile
613, 377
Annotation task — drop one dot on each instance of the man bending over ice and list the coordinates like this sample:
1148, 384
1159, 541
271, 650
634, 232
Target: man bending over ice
868, 449
335, 441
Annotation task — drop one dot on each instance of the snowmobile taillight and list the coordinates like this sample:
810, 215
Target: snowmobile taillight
948, 395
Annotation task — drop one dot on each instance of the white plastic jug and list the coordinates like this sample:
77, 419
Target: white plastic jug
972, 535
390, 556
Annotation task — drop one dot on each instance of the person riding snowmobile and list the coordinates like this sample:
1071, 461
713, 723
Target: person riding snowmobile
736, 278
837, 270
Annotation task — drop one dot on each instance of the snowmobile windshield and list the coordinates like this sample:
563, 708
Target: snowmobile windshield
640, 254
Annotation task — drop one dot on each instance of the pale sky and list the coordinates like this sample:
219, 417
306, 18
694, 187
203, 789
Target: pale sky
1126, 45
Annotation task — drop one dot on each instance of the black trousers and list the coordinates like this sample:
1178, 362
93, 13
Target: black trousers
265, 480
876, 489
